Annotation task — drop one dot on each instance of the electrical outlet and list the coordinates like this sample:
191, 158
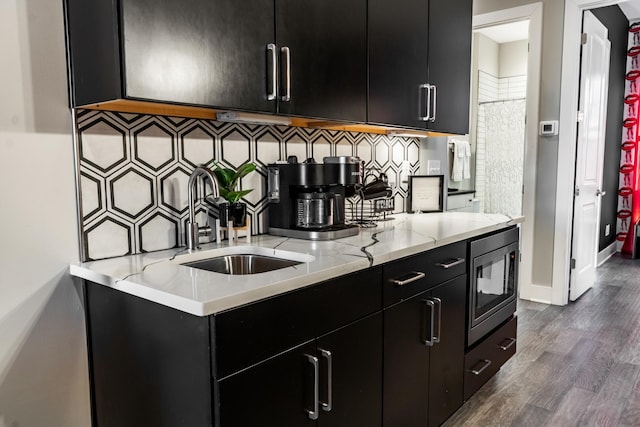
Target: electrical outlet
607, 229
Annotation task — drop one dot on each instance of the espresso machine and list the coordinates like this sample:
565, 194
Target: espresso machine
307, 200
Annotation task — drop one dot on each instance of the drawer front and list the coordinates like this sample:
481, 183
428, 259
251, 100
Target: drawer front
250, 334
409, 276
485, 360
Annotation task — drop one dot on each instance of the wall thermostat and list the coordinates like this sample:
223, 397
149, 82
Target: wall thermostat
548, 128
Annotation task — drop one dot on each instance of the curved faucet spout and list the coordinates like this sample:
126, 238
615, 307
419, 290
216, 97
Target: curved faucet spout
192, 231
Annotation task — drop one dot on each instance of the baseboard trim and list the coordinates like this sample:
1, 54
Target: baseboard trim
537, 293
606, 253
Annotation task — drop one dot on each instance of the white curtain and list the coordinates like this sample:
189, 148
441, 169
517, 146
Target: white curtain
504, 156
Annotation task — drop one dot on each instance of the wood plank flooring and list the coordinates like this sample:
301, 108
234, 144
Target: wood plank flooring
577, 365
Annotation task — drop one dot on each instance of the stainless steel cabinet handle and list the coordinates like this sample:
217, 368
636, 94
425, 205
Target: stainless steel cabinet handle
274, 72
416, 275
438, 302
329, 404
486, 362
452, 263
287, 74
506, 347
316, 387
435, 102
432, 309
424, 88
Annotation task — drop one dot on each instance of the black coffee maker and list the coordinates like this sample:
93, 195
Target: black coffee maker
307, 200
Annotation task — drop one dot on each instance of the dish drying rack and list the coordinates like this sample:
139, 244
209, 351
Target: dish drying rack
362, 212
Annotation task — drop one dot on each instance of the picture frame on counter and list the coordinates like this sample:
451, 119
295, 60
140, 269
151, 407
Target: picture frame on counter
426, 193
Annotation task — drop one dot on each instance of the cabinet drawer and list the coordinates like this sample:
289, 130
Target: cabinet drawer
408, 276
252, 333
485, 360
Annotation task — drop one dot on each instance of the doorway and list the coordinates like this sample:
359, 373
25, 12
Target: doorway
533, 14
499, 93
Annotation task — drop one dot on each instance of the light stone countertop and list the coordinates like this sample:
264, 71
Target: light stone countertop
159, 277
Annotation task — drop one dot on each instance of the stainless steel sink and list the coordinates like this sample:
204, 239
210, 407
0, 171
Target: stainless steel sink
242, 264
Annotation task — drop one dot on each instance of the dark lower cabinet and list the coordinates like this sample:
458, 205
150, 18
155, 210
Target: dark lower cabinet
423, 383
344, 366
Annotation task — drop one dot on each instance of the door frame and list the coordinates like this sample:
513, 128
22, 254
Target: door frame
568, 133
533, 12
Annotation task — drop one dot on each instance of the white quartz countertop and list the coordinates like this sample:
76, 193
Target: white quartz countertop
159, 276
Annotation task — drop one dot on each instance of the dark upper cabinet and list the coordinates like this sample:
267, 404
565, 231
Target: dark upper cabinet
223, 53
323, 58
419, 64
398, 65
196, 52
450, 64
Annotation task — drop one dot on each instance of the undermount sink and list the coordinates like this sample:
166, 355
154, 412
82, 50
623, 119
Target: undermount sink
240, 260
242, 264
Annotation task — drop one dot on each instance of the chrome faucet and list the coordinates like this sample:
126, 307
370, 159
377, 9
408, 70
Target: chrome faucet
193, 232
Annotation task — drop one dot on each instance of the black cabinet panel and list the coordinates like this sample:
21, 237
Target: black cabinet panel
198, 51
450, 63
276, 393
406, 364
93, 50
429, 263
149, 363
447, 356
398, 34
252, 333
356, 358
328, 50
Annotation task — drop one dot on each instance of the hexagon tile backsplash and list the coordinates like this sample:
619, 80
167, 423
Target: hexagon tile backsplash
134, 170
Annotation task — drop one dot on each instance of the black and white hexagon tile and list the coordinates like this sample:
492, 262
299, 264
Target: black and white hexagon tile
134, 171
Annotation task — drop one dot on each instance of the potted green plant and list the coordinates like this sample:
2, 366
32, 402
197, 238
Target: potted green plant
228, 179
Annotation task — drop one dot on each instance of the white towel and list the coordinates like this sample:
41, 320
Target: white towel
466, 160
461, 168
458, 163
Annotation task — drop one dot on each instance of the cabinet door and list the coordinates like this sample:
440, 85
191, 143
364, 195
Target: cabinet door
355, 356
398, 33
327, 42
205, 52
447, 356
406, 363
275, 393
450, 63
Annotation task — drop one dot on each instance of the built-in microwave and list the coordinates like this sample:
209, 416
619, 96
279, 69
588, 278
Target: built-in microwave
493, 283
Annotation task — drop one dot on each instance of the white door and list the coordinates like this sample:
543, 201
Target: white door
594, 83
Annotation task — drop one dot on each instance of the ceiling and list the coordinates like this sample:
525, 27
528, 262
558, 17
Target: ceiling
510, 32
519, 30
631, 9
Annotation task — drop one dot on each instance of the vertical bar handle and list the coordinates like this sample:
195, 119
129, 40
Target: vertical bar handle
274, 72
287, 74
431, 306
329, 403
424, 88
438, 302
313, 414
435, 102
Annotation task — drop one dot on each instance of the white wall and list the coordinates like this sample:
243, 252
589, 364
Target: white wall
43, 361
513, 58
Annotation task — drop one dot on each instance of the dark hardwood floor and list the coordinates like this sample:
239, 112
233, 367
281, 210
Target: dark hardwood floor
577, 365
